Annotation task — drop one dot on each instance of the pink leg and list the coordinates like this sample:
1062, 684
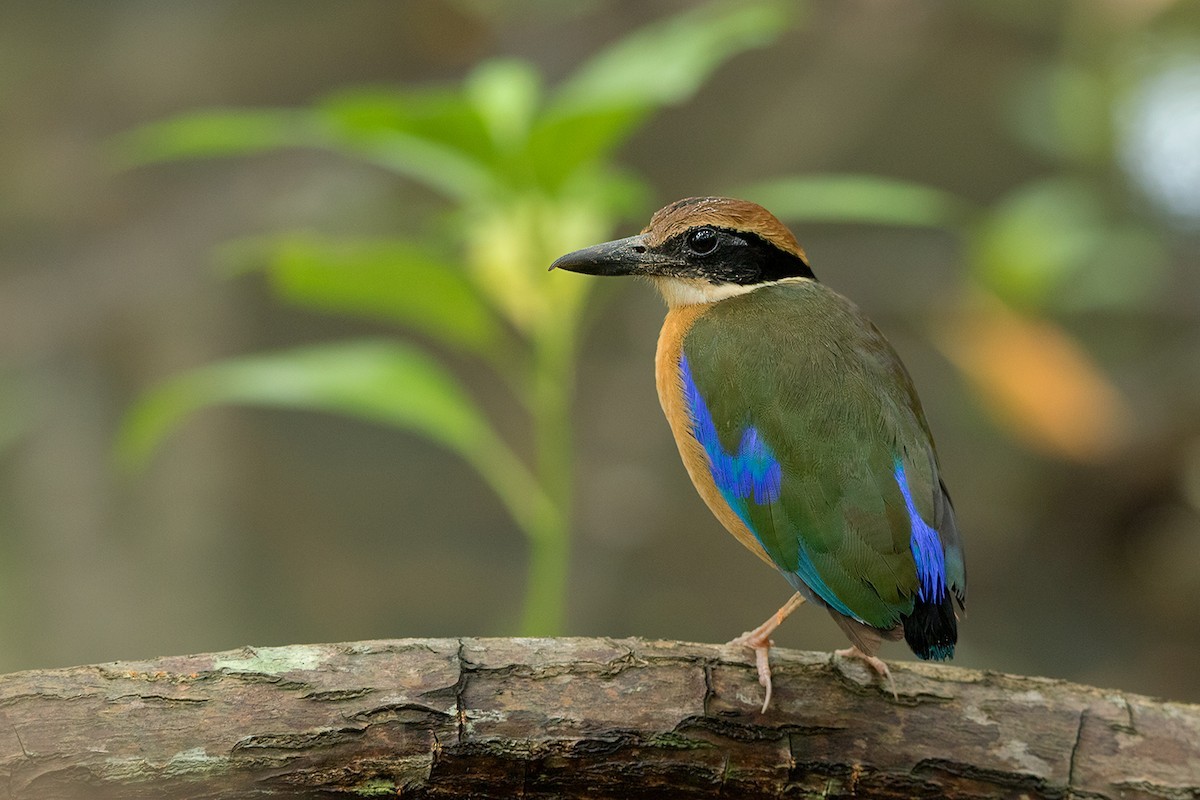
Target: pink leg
759, 640
873, 662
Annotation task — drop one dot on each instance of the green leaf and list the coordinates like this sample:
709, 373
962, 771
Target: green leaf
560, 144
666, 62
1053, 244
214, 133
505, 94
378, 381
859, 199
434, 137
414, 142
442, 116
390, 279
1036, 238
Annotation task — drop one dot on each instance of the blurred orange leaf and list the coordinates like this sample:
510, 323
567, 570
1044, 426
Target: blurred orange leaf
1036, 380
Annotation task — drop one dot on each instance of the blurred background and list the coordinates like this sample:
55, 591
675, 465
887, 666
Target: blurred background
280, 361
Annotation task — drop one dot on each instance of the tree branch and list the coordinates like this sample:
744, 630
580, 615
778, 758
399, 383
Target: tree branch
559, 717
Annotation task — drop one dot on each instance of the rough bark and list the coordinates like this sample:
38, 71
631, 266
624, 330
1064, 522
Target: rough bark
565, 717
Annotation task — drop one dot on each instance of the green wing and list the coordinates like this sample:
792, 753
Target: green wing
816, 439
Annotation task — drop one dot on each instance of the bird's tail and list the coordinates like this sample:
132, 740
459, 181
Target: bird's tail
931, 630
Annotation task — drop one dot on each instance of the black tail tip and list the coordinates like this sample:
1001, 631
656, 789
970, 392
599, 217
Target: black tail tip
931, 630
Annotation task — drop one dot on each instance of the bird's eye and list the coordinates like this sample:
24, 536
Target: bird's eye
702, 241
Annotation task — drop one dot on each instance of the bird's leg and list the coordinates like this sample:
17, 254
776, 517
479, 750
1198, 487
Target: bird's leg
874, 663
759, 640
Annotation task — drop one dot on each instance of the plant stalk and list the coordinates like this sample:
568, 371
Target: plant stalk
549, 535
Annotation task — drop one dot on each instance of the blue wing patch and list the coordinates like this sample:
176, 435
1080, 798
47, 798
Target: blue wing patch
751, 475
926, 547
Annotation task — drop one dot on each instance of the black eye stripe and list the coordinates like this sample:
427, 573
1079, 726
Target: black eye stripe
732, 256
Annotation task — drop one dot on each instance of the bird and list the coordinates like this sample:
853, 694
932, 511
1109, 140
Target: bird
799, 427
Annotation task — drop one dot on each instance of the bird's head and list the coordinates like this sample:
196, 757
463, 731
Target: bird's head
700, 250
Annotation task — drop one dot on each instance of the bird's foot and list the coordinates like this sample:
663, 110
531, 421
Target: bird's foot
759, 640
875, 663
760, 643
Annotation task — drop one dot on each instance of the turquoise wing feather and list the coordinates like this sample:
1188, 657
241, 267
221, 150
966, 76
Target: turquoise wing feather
816, 439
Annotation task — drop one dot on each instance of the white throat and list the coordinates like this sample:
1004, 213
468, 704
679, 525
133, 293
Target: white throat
697, 291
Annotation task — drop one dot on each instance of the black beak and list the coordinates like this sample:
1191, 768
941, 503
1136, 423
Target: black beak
628, 256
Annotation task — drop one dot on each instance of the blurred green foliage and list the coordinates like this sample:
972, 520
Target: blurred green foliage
14, 408
1052, 244
858, 198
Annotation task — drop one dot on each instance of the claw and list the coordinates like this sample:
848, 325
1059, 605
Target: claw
875, 663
